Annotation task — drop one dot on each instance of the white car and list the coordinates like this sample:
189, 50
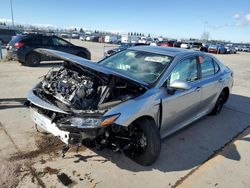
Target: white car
185, 45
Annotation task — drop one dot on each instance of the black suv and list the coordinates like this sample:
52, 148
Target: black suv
21, 48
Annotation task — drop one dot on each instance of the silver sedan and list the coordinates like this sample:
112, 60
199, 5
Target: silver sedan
130, 100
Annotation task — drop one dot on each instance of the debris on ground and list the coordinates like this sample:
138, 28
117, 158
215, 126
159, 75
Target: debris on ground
64, 179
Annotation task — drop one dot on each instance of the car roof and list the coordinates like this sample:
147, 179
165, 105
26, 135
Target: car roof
169, 51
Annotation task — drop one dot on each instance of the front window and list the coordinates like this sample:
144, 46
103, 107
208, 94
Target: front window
144, 66
185, 71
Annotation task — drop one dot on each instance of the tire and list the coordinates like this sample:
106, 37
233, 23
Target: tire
32, 59
83, 55
219, 104
145, 156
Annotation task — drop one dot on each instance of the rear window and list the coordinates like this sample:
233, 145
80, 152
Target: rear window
208, 66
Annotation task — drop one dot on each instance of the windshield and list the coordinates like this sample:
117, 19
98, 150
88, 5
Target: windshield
140, 65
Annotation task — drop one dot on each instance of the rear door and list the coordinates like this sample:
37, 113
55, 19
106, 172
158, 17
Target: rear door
180, 107
211, 82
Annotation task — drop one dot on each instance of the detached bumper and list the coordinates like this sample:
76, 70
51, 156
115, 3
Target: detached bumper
67, 133
46, 124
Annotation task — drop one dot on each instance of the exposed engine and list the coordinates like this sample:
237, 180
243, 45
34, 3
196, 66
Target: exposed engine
71, 88
84, 90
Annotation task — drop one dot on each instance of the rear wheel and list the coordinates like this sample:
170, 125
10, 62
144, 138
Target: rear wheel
33, 59
219, 104
145, 142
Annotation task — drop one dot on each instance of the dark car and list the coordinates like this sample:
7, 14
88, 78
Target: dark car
204, 48
21, 48
6, 35
196, 46
123, 47
177, 44
168, 43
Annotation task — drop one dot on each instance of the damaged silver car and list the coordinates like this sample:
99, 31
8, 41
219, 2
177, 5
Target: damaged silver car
129, 101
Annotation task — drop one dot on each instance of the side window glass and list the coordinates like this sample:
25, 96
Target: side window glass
47, 41
36, 40
207, 66
59, 42
186, 71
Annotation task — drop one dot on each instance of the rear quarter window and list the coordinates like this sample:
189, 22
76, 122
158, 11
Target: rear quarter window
216, 67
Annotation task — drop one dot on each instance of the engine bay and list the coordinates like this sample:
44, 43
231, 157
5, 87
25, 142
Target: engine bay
81, 89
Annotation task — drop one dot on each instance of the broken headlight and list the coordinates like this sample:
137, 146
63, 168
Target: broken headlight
93, 122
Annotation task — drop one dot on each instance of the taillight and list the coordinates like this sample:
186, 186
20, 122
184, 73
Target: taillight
19, 45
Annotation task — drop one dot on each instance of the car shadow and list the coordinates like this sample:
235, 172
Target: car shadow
197, 143
7, 103
231, 151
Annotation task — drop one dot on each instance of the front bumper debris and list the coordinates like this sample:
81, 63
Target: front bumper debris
46, 124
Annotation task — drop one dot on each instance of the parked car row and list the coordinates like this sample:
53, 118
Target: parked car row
122, 47
243, 48
198, 46
219, 48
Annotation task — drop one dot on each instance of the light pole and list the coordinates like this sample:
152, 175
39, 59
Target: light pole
12, 18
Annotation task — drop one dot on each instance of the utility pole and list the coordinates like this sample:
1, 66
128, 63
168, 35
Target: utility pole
12, 18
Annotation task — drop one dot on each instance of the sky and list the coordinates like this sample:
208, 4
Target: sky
223, 19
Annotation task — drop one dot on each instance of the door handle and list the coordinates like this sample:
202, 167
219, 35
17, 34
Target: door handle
198, 88
221, 80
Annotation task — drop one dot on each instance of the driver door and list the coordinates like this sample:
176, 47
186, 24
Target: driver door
179, 107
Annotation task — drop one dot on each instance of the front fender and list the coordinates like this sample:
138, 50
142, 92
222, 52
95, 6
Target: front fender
144, 105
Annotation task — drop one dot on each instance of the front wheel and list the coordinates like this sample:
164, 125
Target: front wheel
145, 142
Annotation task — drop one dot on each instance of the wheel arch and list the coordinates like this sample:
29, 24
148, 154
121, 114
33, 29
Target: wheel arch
32, 51
147, 117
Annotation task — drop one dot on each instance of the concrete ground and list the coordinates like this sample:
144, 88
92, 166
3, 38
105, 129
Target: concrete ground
213, 152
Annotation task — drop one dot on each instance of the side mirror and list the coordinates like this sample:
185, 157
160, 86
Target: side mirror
178, 85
